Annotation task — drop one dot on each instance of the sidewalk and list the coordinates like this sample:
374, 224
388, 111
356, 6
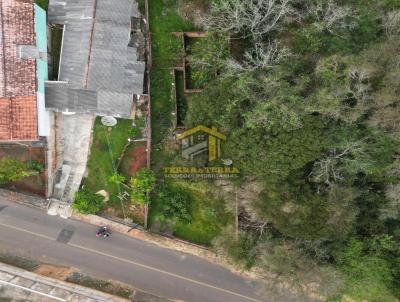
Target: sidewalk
25, 199
20, 285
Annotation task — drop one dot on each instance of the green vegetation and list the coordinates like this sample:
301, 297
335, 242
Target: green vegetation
142, 6
142, 184
175, 202
191, 210
209, 217
140, 124
310, 104
34, 165
87, 202
42, 3
56, 41
107, 147
112, 162
13, 170
204, 56
167, 53
181, 99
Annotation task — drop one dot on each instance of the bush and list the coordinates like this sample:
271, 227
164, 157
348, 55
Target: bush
35, 166
87, 202
13, 169
176, 203
370, 276
142, 184
140, 124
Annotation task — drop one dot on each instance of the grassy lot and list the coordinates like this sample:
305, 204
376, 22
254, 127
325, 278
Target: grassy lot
167, 53
208, 213
196, 77
105, 151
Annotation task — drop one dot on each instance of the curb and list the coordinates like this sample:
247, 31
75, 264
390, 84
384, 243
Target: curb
157, 239
165, 242
29, 200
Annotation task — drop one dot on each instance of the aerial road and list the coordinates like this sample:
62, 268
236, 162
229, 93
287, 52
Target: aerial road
32, 233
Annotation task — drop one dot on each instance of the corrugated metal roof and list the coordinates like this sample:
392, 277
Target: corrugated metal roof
95, 55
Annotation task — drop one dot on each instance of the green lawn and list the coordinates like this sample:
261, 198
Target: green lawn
209, 216
209, 213
100, 165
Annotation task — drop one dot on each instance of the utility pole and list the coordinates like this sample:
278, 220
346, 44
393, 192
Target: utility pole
236, 214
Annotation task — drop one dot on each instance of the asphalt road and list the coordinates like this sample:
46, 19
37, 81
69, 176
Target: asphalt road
32, 233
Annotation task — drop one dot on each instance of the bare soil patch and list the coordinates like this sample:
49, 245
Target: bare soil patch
56, 272
194, 10
134, 159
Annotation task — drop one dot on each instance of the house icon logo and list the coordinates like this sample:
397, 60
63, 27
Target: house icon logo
200, 140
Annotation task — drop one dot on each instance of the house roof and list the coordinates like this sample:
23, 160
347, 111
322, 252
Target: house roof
18, 113
96, 57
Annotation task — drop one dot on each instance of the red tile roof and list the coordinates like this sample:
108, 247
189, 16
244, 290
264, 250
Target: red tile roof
18, 113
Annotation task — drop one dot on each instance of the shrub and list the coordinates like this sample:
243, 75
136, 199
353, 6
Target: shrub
176, 203
13, 169
87, 202
34, 165
140, 124
142, 184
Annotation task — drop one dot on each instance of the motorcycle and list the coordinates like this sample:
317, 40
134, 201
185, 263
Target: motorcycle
103, 232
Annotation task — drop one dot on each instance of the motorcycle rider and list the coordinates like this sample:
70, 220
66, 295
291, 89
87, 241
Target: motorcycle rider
103, 232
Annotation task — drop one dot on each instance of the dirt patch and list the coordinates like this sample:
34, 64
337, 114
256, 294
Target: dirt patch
56, 272
139, 159
194, 10
110, 287
134, 212
134, 159
137, 213
33, 184
112, 211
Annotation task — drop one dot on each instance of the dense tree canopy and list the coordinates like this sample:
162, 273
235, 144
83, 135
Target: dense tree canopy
311, 107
